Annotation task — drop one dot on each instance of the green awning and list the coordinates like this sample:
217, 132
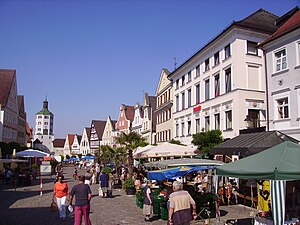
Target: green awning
280, 162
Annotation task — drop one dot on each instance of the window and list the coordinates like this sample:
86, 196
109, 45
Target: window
189, 76
228, 80
217, 121
207, 89
207, 64
228, 117
189, 128
183, 100
189, 98
251, 48
177, 103
197, 93
182, 80
280, 60
198, 71
177, 83
182, 129
283, 108
227, 51
216, 58
217, 85
207, 123
197, 125
177, 130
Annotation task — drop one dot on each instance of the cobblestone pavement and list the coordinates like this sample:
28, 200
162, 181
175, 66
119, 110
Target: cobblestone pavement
25, 206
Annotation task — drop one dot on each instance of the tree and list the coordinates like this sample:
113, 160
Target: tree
67, 157
62, 157
130, 142
79, 155
207, 140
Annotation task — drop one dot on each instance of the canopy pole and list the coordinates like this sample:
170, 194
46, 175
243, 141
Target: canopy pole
217, 197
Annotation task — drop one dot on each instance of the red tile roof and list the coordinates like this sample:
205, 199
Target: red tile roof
59, 143
290, 25
129, 112
71, 138
6, 81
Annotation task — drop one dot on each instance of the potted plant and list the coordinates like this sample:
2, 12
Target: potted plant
130, 187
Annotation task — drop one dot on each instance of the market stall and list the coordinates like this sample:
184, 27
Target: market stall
277, 164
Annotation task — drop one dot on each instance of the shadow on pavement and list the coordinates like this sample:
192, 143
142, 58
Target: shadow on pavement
33, 216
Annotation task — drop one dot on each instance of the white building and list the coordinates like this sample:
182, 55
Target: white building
163, 112
72, 144
44, 127
85, 141
138, 119
149, 119
282, 50
108, 137
224, 81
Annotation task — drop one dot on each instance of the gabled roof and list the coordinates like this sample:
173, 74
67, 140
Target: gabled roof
6, 80
21, 108
99, 126
88, 132
260, 21
59, 143
129, 112
249, 144
164, 72
290, 25
71, 138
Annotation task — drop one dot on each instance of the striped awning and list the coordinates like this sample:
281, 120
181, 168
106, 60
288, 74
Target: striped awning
277, 190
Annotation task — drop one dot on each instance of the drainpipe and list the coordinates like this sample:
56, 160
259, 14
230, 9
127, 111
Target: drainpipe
267, 89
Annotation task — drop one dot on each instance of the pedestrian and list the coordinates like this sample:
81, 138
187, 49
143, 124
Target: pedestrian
180, 206
148, 201
103, 182
87, 177
83, 196
8, 176
75, 172
60, 192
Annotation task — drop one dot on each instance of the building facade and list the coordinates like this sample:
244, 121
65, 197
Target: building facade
85, 141
223, 82
9, 109
97, 128
138, 118
108, 137
124, 123
44, 127
72, 144
282, 52
149, 119
163, 112
22, 133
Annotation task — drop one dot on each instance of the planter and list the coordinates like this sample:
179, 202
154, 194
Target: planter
130, 191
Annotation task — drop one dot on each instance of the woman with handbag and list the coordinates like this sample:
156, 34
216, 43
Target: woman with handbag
60, 192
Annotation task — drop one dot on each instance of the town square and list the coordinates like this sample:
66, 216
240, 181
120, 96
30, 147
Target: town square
150, 112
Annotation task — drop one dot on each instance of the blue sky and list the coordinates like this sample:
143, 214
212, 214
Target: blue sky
88, 57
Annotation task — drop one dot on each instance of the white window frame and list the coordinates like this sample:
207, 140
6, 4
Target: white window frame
251, 43
280, 61
228, 124
281, 108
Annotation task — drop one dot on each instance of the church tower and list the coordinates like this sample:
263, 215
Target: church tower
44, 128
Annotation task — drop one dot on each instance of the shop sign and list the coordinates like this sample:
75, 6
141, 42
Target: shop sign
197, 108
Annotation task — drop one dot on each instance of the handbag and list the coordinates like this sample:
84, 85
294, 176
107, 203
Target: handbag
54, 207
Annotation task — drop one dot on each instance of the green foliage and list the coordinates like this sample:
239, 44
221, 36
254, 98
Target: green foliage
176, 142
129, 183
53, 163
207, 140
106, 170
80, 156
62, 157
35, 166
67, 157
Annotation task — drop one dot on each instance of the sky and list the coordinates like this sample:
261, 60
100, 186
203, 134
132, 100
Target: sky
88, 57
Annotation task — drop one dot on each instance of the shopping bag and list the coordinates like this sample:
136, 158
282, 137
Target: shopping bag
54, 207
70, 208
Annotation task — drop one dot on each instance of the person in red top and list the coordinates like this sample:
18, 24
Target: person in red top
60, 192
